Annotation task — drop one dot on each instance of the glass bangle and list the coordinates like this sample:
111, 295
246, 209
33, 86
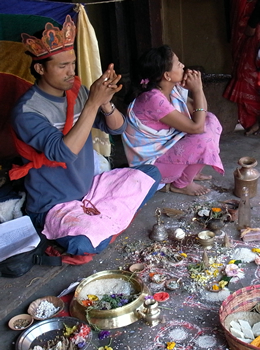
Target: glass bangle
199, 110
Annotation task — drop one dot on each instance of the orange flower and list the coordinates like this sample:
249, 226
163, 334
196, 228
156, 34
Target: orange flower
216, 210
87, 302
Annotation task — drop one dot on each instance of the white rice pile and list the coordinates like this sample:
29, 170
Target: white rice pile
106, 286
244, 254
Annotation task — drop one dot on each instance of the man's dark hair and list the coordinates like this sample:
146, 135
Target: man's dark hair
44, 61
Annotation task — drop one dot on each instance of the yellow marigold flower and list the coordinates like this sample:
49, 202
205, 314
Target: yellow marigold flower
232, 261
92, 297
256, 250
184, 255
216, 210
215, 287
222, 283
216, 265
170, 345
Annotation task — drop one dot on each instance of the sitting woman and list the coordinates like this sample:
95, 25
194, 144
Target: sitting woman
169, 129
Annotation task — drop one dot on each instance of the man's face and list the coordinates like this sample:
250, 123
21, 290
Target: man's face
58, 74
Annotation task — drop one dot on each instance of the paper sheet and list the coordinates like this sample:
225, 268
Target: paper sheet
17, 236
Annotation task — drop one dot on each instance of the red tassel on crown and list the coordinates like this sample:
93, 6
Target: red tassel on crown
53, 40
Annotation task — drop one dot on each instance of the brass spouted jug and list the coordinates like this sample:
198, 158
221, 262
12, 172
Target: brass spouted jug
246, 176
151, 312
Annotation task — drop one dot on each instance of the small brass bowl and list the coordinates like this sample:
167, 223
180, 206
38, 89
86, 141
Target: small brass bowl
206, 238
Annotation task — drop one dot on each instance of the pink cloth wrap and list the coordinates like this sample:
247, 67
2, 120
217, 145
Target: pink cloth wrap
117, 194
200, 149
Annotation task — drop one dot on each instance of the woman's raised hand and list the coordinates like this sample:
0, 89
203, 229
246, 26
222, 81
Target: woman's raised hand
192, 80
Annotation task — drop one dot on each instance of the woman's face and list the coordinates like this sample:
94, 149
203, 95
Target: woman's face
176, 73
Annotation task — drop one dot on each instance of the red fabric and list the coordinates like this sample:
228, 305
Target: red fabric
243, 87
67, 300
70, 259
37, 160
11, 87
74, 259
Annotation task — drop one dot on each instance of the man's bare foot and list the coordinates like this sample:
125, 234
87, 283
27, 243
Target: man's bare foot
192, 189
202, 177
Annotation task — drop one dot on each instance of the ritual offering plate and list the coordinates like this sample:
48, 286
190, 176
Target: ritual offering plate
137, 268
214, 287
46, 307
47, 334
20, 322
173, 283
109, 299
158, 277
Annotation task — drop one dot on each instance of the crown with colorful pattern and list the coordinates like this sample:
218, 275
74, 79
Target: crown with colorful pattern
53, 40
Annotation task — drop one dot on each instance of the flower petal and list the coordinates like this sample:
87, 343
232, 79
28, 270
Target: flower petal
161, 296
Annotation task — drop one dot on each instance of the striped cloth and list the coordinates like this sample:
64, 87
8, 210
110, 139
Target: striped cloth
142, 144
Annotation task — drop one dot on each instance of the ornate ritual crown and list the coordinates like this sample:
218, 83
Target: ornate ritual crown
53, 40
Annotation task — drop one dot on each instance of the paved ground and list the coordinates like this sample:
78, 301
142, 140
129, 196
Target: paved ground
190, 315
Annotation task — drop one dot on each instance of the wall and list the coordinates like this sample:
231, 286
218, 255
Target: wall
197, 30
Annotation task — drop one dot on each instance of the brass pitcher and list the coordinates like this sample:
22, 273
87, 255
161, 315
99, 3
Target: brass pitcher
246, 176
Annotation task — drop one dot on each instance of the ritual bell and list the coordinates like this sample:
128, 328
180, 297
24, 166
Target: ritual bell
159, 232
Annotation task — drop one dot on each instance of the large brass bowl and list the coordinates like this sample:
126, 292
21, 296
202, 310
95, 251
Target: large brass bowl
115, 318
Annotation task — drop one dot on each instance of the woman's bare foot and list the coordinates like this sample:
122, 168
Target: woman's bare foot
254, 129
192, 189
202, 177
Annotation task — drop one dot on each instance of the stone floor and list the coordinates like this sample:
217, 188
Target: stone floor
190, 317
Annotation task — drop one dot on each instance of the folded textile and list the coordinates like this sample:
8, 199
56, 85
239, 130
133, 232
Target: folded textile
116, 194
